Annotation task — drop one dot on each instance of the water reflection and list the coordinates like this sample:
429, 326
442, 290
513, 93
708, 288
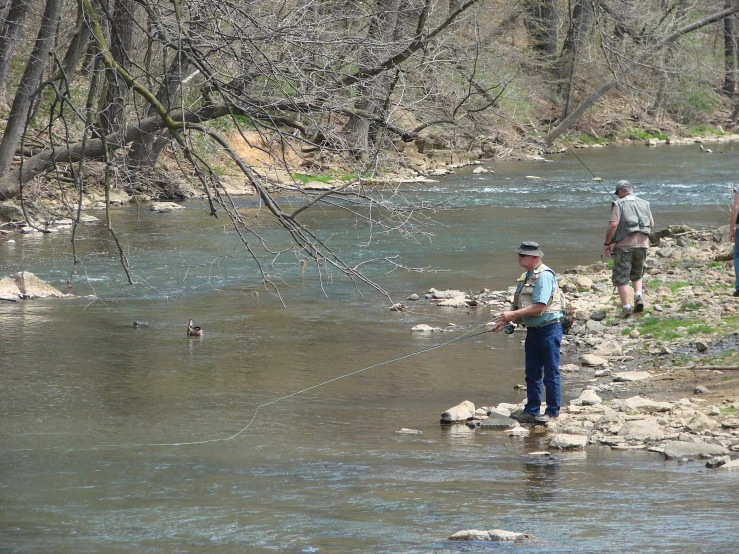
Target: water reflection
542, 479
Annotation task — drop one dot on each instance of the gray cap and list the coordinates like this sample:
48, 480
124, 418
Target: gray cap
529, 248
622, 185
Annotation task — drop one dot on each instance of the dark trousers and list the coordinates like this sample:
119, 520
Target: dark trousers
542, 368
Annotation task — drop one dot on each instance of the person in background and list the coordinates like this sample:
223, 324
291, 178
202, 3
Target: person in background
538, 306
733, 224
627, 239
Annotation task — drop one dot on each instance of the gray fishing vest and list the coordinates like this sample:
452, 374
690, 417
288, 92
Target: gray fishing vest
524, 295
634, 217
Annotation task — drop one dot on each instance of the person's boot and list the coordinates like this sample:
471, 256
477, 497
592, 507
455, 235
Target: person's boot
625, 313
638, 305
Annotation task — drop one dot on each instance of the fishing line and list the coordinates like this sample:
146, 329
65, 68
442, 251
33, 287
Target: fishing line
464, 336
597, 179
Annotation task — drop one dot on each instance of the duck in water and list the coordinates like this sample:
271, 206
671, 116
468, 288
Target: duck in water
193, 330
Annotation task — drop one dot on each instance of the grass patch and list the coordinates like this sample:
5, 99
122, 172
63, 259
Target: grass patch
666, 328
609, 264
713, 265
672, 285
303, 178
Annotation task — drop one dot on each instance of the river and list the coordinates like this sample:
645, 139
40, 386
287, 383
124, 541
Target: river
123, 439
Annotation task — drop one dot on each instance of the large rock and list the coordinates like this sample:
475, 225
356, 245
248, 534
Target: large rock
10, 212
645, 405
457, 302
693, 450
627, 376
644, 430
568, 441
496, 420
492, 535
591, 360
162, 207
441, 294
701, 423
588, 397
9, 289
594, 328
608, 348
26, 285
460, 412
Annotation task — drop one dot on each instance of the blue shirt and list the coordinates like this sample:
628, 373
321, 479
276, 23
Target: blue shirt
545, 286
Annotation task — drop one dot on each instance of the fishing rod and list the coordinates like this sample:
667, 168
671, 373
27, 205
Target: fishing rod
596, 179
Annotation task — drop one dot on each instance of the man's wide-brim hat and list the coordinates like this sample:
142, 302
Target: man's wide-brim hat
529, 248
622, 185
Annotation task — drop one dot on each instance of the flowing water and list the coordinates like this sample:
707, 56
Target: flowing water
121, 439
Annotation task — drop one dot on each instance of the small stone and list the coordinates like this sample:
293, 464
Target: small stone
592, 361
658, 308
701, 346
717, 461
634, 334
700, 389
413, 297
598, 316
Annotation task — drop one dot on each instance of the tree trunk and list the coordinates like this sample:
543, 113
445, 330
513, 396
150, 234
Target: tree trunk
120, 47
730, 61
27, 89
381, 31
145, 151
9, 37
541, 23
580, 20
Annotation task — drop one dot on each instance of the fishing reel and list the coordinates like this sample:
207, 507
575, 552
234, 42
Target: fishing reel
508, 329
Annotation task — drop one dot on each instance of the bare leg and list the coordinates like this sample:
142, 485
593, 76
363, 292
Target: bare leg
637, 286
624, 291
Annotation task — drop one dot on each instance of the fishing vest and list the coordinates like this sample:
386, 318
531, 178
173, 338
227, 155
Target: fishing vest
635, 217
524, 295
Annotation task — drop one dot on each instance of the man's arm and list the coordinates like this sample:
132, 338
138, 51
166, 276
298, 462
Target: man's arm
612, 226
734, 213
510, 315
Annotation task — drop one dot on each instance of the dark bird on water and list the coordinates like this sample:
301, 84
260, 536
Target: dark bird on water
193, 330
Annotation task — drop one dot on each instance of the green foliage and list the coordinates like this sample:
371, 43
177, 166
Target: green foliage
639, 134
728, 410
694, 105
303, 178
713, 265
703, 130
673, 286
665, 328
609, 264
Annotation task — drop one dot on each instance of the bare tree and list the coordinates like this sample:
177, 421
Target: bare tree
730, 52
9, 36
647, 44
27, 89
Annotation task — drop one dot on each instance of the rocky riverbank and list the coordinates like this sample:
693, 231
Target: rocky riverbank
666, 380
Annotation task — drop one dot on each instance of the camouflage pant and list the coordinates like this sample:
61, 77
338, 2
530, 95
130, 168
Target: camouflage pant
628, 265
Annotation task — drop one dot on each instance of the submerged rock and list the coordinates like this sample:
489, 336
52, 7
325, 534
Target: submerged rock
492, 535
693, 450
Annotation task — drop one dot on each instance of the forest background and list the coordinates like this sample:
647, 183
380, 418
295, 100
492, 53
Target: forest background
143, 95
